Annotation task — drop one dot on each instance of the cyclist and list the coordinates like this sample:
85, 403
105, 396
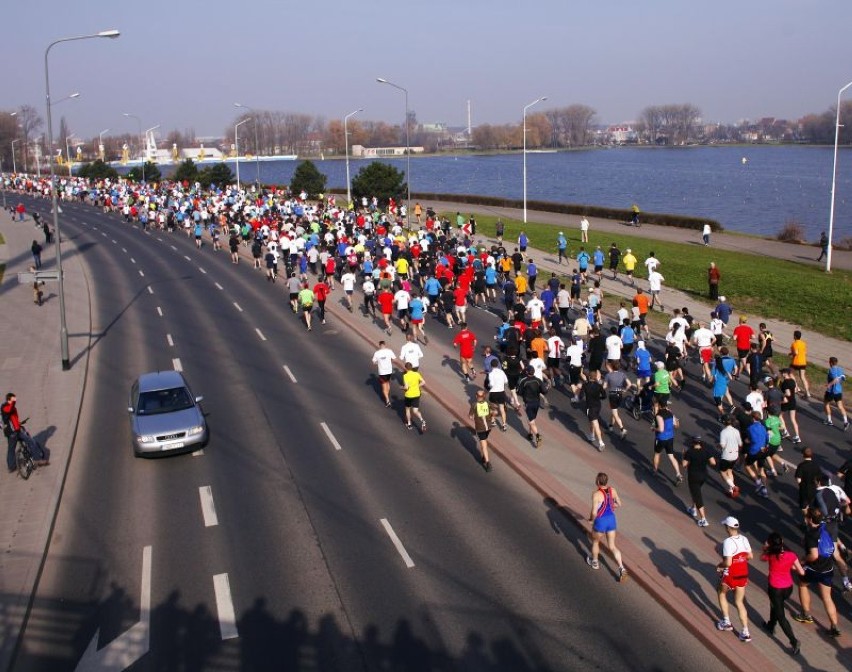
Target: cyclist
12, 432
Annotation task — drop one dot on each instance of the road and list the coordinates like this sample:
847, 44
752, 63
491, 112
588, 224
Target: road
483, 574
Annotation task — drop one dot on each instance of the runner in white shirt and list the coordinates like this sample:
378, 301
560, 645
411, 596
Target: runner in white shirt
574, 355
623, 314
704, 339
497, 382
563, 301
730, 443
347, 280
401, 300
757, 401
555, 349
613, 347
411, 352
384, 358
535, 307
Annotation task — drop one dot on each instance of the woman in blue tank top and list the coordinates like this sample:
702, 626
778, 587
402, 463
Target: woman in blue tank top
604, 502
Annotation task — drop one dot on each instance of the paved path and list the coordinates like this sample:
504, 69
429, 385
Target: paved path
820, 347
30, 366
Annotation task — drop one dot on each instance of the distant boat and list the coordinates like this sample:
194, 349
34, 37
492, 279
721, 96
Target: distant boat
745, 160
541, 151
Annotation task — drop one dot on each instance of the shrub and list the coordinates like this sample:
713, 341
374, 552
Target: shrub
218, 174
309, 179
380, 180
152, 173
97, 170
186, 172
791, 232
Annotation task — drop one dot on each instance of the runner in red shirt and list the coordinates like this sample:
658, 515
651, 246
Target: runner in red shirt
460, 297
321, 292
385, 301
742, 335
465, 341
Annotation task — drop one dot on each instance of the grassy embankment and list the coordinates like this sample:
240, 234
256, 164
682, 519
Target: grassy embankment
796, 293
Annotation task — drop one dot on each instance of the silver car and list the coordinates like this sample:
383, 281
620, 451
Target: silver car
164, 415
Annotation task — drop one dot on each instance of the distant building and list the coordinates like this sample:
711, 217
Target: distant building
359, 151
622, 135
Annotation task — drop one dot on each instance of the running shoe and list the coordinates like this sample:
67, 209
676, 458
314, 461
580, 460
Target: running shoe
623, 432
487, 466
828, 423
745, 636
601, 446
834, 632
409, 425
724, 625
784, 468
387, 404
763, 491
423, 427
796, 439
529, 436
692, 511
537, 440
622, 575
594, 564
504, 427
796, 648
847, 585
702, 522
845, 425
803, 618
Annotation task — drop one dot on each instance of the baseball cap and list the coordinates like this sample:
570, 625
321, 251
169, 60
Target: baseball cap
721, 298
731, 522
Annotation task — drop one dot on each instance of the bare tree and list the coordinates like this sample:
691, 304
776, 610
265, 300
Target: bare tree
576, 121
652, 119
30, 122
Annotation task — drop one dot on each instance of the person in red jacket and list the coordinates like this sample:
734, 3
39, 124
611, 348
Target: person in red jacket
743, 334
12, 432
385, 301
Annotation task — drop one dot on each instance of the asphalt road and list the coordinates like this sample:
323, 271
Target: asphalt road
498, 580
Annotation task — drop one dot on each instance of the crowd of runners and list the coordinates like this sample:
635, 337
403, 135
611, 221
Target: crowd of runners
553, 335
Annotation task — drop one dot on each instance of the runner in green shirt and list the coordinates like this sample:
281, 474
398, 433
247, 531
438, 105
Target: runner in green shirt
662, 385
773, 428
306, 301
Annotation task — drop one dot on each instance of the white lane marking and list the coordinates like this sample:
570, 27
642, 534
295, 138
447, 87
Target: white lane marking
114, 240
173, 247
176, 365
218, 286
142, 274
237, 306
103, 234
290, 374
170, 340
150, 289
396, 542
132, 260
208, 509
187, 258
202, 270
225, 607
334, 441
147, 233
159, 311
124, 249
198, 453
158, 238
260, 334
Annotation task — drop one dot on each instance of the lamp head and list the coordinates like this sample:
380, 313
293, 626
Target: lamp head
112, 34
381, 80
13, 114
76, 94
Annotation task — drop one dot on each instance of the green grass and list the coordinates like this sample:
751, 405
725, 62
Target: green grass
2, 239
768, 287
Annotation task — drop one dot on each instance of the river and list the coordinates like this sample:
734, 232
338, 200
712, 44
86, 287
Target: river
775, 184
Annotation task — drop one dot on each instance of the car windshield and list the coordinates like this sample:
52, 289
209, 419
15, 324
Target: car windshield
164, 401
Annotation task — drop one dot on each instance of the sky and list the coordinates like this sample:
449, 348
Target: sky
183, 63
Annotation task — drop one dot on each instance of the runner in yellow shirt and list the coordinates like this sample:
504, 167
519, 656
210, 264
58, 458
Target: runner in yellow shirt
413, 383
401, 267
629, 265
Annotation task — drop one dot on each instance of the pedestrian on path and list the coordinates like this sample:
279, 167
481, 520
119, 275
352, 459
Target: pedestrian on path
705, 234
12, 431
695, 461
713, 278
602, 517
584, 230
782, 562
561, 246
36, 250
823, 246
736, 553
482, 413
38, 289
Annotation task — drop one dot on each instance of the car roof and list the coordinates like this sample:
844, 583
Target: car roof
161, 380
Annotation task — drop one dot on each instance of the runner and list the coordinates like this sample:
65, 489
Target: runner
530, 390
788, 405
730, 445
834, 393
757, 440
413, 384
347, 281
695, 462
736, 553
306, 303
411, 353
417, 315
665, 424
384, 358
799, 361
818, 564
630, 262
780, 586
401, 300
594, 394
466, 341
385, 301
616, 383
321, 292
496, 384
743, 335
602, 516
482, 413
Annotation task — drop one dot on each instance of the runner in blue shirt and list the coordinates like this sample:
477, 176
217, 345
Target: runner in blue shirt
722, 371
491, 282
416, 311
755, 461
834, 393
643, 364
561, 245
583, 259
598, 256
199, 229
602, 516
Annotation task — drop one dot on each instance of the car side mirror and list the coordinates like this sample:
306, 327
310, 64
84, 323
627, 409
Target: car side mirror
198, 400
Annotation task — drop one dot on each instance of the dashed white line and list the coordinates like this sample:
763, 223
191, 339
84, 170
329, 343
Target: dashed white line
170, 340
396, 542
159, 311
334, 441
173, 247
187, 258
237, 306
260, 334
202, 270
176, 365
114, 240
208, 509
132, 260
290, 374
158, 238
225, 607
142, 274
150, 289
218, 286
124, 249
103, 234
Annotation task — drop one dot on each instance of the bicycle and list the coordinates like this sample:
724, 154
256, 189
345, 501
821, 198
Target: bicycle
23, 457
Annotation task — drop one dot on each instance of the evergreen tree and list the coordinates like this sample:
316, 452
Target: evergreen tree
380, 180
309, 179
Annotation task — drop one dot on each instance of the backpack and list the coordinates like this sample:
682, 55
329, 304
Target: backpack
7, 425
825, 545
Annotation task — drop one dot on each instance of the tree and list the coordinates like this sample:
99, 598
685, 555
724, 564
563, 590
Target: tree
64, 132
186, 172
30, 122
152, 173
97, 170
309, 179
380, 180
218, 174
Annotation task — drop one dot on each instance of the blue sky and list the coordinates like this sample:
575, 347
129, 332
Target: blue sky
183, 63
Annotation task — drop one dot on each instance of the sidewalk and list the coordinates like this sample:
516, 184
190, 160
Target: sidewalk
820, 347
30, 366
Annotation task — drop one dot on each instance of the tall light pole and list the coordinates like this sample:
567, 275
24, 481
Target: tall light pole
382, 80
237, 146
256, 144
101, 143
63, 327
834, 181
141, 140
14, 165
346, 142
526, 107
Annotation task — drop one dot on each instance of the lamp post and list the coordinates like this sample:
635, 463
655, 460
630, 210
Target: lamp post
101, 143
834, 181
237, 146
346, 142
14, 165
63, 327
256, 144
382, 80
526, 107
141, 140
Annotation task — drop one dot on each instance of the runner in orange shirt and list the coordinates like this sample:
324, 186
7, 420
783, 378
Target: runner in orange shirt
640, 301
799, 360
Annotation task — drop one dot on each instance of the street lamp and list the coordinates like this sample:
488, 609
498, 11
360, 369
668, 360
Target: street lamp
346, 142
14, 166
834, 181
237, 146
63, 327
101, 143
382, 80
256, 145
526, 107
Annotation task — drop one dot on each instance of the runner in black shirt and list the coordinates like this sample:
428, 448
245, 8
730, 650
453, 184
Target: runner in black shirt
695, 462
